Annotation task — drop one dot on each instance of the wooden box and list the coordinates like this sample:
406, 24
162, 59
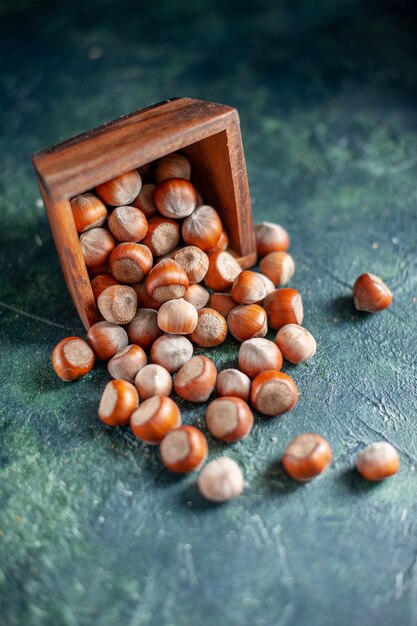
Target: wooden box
207, 133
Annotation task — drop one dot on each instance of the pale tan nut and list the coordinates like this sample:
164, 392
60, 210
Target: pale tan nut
221, 480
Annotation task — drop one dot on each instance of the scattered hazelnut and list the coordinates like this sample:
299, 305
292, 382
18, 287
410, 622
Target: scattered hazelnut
270, 238
172, 351
166, 281
232, 382
175, 198
283, 306
88, 211
72, 358
117, 403
143, 330
222, 302
177, 317
117, 304
221, 480
278, 266
163, 235
122, 190
106, 339
130, 262
273, 393
196, 379
248, 288
247, 321
211, 329
184, 449
127, 223
197, 295
371, 294
222, 271
307, 456
229, 418
154, 418
296, 343
378, 461
153, 380
258, 355
202, 228
127, 362
172, 166
193, 261
96, 246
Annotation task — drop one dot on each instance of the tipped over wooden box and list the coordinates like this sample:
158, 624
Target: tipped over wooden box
207, 134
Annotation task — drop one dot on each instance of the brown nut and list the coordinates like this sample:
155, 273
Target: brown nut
258, 355
273, 393
247, 321
211, 329
202, 228
88, 212
72, 358
307, 456
117, 403
121, 190
371, 294
175, 198
229, 418
184, 449
283, 306
130, 262
154, 418
196, 379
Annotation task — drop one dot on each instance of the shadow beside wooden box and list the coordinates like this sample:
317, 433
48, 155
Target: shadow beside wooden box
207, 133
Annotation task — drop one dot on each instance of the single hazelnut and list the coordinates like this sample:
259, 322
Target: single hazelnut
197, 295
211, 329
96, 246
144, 201
127, 362
371, 294
270, 238
247, 321
307, 456
143, 330
163, 235
232, 382
193, 261
100, 282
172, 166
127, 223
248, 288
88, 212
222, 302
258, 355
154, 418
175, 198
184, 449
222, 271
296, 343
283, 306
130, 262
221, 480
202, 228
153, 380
166, 281
171, 351
378, 461
122, 190
117, 304
229, 418
117, 403
278, 266
106, 339
273, 393
177, 317
196, 379
72, 358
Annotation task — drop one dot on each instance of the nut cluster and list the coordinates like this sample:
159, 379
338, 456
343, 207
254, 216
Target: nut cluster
164, 279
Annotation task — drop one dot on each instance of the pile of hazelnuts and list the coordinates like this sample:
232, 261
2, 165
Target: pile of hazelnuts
164, 279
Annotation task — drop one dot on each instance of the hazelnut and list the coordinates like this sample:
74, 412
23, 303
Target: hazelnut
248, 288
270, 238
121, 190
127, 362
175, 198
177, 317
154, 418
106, 339
278, 267
283, 306
232, 382
163, 235
100, 282
222, 244
143, 330
211, 329
173, 166
166, 281
196, 379
72, 358
378, 461
222, 271
306, 456
153, 380
371, 294
221, 480
273, 393
130, 262
197, 295
258, 355
296, 343
117, 403
193, 261
184, 449
222, 302
127, 223
144, 201
202, 228
247, 321
88, 212
229, 418
96, 246
117, 304
172, 351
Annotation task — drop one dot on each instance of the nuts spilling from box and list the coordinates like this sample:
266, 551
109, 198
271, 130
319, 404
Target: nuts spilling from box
165, 280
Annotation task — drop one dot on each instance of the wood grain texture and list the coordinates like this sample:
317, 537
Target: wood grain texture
208, 133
